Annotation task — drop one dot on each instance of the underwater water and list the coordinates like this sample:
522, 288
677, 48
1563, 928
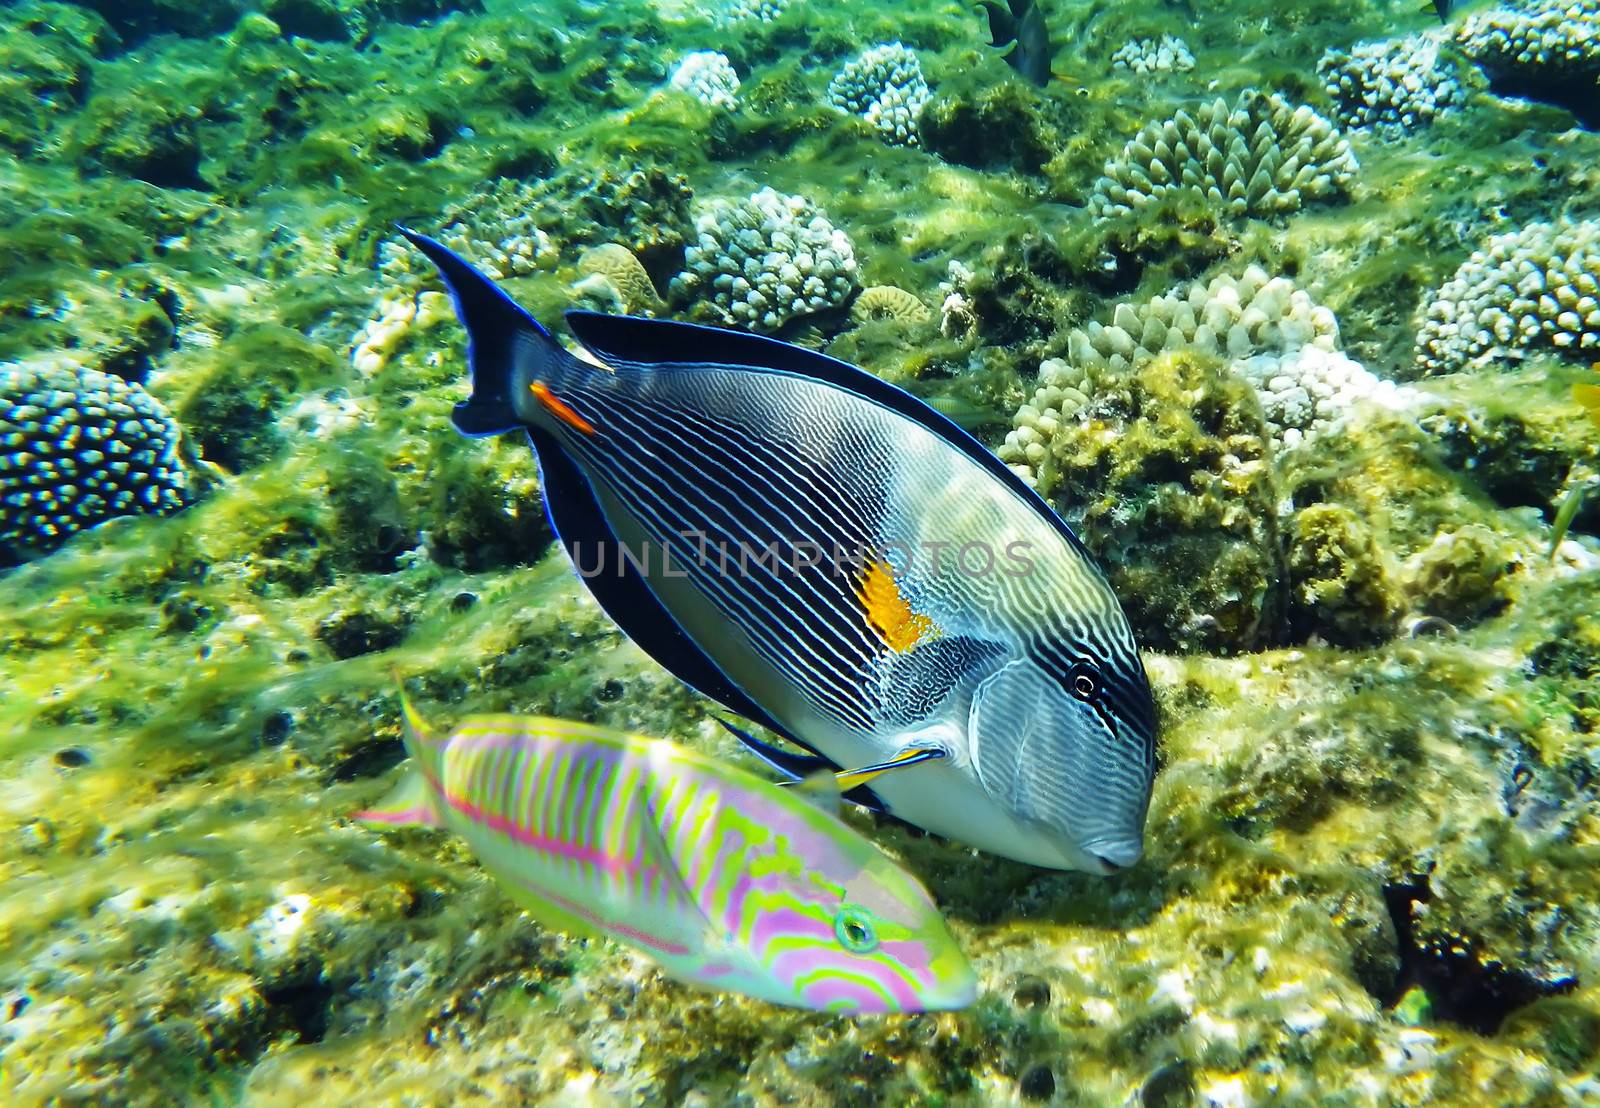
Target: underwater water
1290, 310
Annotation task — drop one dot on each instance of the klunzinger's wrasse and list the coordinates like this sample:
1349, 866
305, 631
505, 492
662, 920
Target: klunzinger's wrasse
725, 880
834, 560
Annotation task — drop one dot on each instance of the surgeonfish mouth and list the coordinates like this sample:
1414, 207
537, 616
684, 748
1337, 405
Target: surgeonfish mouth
796, 505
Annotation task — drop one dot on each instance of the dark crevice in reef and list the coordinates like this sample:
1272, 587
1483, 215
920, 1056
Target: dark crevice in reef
302, 1007
1462, 988
370, 759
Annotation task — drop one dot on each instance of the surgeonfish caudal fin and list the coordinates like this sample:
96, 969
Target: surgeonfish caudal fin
409, 805
500, 338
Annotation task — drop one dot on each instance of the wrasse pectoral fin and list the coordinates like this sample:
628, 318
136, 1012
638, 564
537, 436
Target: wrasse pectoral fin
850, 778
560, 408
655, 844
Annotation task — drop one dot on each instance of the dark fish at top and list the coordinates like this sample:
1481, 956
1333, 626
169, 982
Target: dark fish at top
836, 561
1020, 31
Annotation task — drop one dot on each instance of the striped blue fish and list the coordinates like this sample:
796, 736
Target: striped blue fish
837, 562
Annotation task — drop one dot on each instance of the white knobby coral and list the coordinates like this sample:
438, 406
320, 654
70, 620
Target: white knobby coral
709, 77
1393, 86
1150, 55
884, 85
1553, 39
1260, 157
766, 260
1267, 330
761, 11
1538, 287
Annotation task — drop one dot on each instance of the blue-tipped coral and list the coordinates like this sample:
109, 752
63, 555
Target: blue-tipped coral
78, 447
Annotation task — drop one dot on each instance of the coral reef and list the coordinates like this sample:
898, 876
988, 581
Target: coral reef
1369, 870
1393, 86
1149, 55
1528, 290
1263, 156
709, 77
884, 86
79, 447
767, 260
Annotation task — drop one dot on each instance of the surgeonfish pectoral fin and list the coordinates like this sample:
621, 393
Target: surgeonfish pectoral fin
821, 790
793, 766
409, 805
851, 778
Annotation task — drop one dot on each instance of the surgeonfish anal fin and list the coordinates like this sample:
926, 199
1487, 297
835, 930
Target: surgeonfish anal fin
410, 804
496, 328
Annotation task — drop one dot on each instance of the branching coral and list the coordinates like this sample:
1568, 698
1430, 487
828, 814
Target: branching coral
1263, 156
767, 260
1393, 86
77, 447
1527, 290
886, 88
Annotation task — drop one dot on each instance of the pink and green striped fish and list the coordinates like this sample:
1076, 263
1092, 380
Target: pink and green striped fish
725, 880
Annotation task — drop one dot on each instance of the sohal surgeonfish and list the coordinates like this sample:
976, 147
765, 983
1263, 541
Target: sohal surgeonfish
834, 560
723, 879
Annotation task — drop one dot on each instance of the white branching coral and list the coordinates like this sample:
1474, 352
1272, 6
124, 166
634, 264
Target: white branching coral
884, 85
708, 76
1151, 55
1268, 331
1526, 290
1262, 156
766, 260
1393, 86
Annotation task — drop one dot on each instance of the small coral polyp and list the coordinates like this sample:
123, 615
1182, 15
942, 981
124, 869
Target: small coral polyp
1263, 156
77, 447
767, 260
1149, 55
709, 77
1529, 290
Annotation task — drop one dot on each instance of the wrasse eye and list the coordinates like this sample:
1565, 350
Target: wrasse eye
852, 926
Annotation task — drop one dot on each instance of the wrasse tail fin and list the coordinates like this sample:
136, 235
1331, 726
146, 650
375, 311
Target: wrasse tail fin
500, 335
409, 805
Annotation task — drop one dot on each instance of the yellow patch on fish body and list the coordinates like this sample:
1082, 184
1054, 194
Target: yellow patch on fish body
888, 614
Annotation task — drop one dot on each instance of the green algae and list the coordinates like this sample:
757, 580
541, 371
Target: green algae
194, 705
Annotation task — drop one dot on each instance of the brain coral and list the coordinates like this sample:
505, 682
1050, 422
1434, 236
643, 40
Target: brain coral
1536, 288
889, 302
885, 87
612, 277
1261, 157
77, 447
1393, 86
708, 76
767, 260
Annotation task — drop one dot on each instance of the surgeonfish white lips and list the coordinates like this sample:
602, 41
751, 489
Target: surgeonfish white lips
1054, 762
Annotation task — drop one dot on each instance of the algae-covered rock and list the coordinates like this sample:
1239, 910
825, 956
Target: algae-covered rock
1167, 476
1340, 590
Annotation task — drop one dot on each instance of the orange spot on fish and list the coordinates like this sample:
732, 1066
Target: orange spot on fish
560, 408
888, 613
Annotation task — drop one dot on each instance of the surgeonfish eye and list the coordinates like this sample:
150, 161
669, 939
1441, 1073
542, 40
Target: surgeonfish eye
1085, 683
852, 926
